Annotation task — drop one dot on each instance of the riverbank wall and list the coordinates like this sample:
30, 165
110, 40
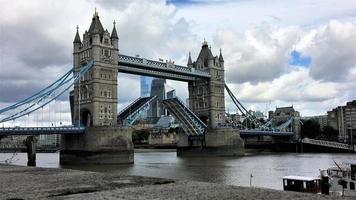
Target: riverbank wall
19, 182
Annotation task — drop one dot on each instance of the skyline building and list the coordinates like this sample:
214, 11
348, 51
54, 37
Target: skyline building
163, 91
343, 119
145, 84
145, 91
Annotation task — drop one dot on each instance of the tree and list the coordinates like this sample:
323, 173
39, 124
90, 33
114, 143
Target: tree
249, 123
140, 136
310, 129
330, 133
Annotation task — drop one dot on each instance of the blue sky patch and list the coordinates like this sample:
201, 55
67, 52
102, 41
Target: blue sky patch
182, 2
297, 59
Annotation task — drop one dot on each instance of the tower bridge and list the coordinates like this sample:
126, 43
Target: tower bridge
96, 136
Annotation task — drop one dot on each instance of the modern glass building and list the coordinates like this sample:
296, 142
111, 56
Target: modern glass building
146, 83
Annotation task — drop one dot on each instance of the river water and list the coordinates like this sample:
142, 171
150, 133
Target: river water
267, 169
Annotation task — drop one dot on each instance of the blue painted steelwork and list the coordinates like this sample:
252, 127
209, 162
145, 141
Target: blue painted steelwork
45, 96
169, 70
261, 129
131, 113
42, 130
285, 124
191, 123
241, 108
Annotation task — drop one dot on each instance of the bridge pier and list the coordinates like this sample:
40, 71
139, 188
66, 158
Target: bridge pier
30, 144
99, 145
217, 142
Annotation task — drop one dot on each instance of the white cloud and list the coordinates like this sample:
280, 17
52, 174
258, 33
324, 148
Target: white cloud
36, 42
333, 51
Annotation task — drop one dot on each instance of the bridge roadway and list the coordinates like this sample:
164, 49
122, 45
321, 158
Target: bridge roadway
168, 70
42, 130
330, 144
247, 132
81, 130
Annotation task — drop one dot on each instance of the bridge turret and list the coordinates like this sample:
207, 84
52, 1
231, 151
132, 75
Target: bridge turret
76, 47
221, 59
77, 39
190, 63
114, 37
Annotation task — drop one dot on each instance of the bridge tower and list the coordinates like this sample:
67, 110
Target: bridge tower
95, 102
207, 101
95, 97
206, 97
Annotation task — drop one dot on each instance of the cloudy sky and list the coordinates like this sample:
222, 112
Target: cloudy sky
277, 52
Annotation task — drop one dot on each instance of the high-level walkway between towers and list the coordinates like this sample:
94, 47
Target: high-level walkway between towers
168, 70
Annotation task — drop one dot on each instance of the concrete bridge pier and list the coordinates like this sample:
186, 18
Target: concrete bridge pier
99, 145
217, 142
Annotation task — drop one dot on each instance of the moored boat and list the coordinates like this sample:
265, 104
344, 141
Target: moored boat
342, 179
301, 184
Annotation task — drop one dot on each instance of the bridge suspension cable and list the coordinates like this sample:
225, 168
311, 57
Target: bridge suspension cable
241, 108
45, 96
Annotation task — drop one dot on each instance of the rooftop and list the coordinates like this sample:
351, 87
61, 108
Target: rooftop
301, 178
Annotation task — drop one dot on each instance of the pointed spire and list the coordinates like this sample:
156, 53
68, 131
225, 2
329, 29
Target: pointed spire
77, 37
190, 63
221, 59
95, 13
205, 43
95, 26
114, 33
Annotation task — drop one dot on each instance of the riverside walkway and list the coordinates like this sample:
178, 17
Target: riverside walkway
18, 182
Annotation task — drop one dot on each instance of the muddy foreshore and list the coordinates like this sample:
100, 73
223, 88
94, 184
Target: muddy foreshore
18, 182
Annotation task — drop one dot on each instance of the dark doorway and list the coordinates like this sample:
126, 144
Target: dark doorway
86, 118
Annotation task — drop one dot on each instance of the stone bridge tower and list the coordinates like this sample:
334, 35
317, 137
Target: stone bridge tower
207, 101
95, 102
206, 97
95, 97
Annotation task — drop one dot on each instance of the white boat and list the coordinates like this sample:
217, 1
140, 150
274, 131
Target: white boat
301, 184
342, 179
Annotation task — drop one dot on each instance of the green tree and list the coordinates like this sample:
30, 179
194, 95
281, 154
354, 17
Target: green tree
249, 123
310, 129
140, 136
330, 133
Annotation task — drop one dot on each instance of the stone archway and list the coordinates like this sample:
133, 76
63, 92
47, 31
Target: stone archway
86, 118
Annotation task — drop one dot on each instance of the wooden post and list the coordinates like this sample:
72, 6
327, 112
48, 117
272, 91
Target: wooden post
31, 150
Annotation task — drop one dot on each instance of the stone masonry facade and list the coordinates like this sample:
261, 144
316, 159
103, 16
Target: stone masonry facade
206, 97
97, 91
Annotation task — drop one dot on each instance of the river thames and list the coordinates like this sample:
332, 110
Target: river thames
267, 169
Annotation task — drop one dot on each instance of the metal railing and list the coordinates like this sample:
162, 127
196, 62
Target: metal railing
329, 144
166, 66
42, 130
186, 117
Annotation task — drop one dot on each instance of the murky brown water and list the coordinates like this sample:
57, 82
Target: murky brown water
267, 169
